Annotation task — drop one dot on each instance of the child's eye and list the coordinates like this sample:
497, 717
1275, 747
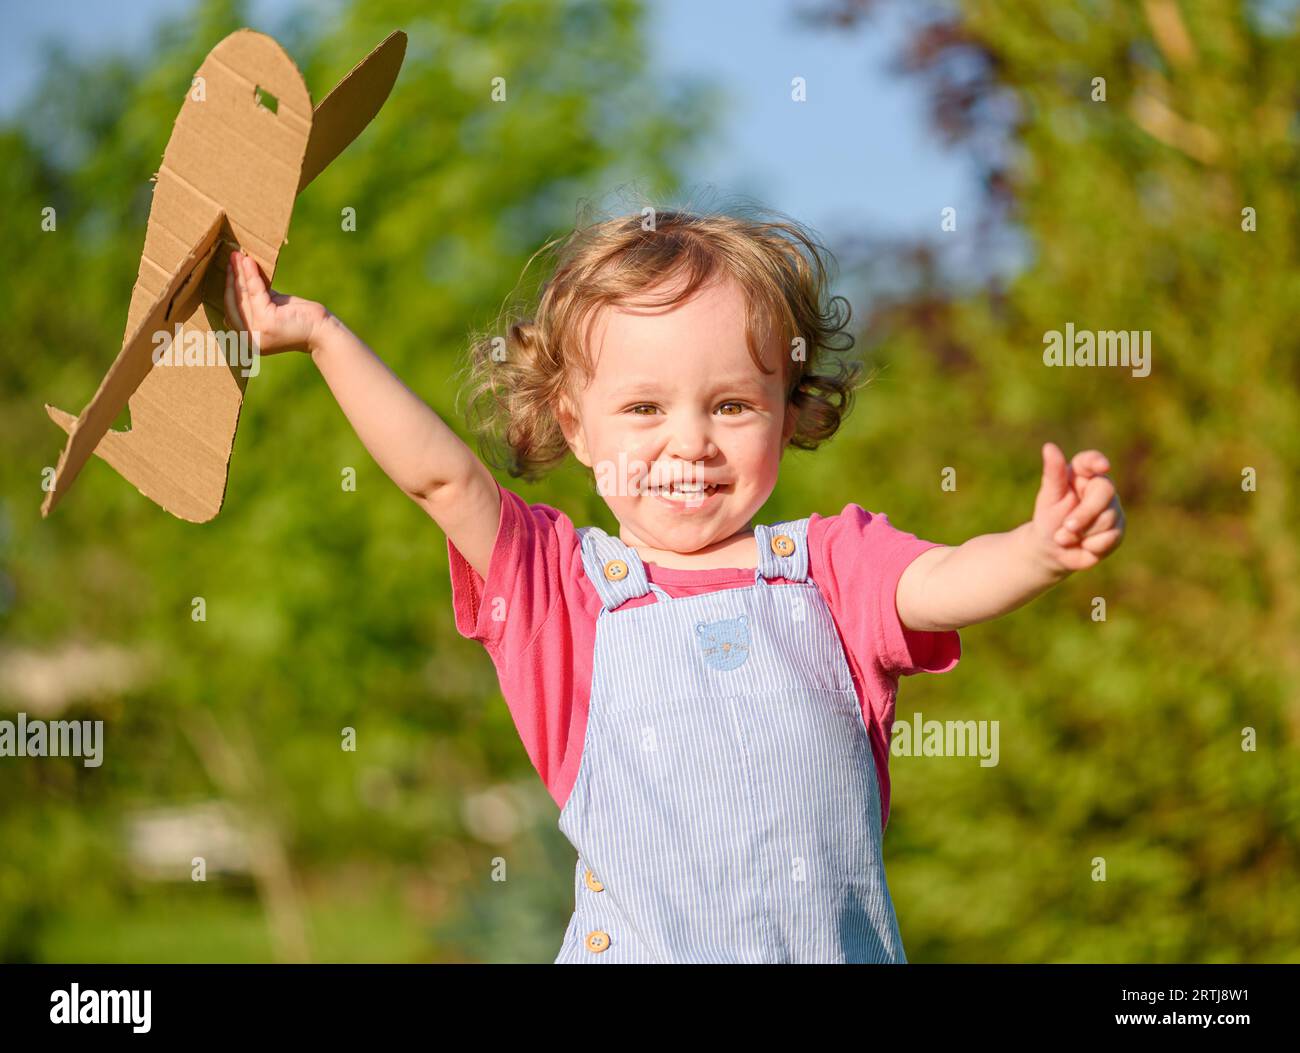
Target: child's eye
644, 409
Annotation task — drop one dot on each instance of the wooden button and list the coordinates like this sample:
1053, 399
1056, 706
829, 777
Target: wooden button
593, 884
597, 941
782, 545
616, 570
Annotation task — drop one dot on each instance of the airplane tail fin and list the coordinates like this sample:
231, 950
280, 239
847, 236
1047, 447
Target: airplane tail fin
89, 433
134, 456
62, 418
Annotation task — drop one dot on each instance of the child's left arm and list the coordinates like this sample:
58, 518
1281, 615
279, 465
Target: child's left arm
1077, 522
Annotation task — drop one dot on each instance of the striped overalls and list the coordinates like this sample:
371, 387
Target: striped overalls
726, 806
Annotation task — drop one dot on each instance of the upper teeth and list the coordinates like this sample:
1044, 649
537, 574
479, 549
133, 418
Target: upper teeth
689, 488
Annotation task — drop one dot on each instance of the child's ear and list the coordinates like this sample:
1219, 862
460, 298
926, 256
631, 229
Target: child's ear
791, 423
572, 429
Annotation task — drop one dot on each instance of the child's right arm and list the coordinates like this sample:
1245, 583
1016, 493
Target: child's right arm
408, 440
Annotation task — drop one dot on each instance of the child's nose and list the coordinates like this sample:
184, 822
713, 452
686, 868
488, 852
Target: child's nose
692, 440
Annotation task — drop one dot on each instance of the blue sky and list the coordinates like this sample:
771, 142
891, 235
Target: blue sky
857, 156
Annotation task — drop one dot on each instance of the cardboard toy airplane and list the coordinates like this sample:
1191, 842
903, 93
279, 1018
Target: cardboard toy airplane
245, 144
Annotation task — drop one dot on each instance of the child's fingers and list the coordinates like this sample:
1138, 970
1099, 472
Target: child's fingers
253, 279
241, 293
1104, 521
1055, 484
1109, 520
1099, 544
1089, 462
242, 278
1065, 538
259, 295
1099, 492
233, 314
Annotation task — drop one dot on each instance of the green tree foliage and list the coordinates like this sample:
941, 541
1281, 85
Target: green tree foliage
1120, 739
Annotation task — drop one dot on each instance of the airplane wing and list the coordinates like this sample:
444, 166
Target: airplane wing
132, 364
344, 113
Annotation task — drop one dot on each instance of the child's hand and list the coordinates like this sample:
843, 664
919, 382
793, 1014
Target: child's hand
1078, 520
275, 322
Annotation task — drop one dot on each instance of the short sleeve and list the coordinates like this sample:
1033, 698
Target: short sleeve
524, 577
857, 559
536, 616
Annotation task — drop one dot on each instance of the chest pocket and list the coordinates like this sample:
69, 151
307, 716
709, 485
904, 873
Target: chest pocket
766, 640
725, 643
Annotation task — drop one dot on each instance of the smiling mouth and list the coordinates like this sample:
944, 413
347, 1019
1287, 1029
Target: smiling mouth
685, 492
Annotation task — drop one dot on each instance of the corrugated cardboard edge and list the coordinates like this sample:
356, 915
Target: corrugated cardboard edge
352, 104
133, 362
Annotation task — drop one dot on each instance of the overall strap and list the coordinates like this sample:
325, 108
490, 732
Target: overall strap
783, 549
614, 569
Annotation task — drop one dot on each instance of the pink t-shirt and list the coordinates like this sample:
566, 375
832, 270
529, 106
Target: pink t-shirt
536, 616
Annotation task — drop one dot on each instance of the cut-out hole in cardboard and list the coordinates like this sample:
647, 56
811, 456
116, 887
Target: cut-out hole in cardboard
265, 99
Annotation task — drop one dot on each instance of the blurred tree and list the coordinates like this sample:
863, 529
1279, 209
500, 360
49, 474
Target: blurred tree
1122, 739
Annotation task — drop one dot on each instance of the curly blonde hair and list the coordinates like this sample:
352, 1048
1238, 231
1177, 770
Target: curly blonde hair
520, 372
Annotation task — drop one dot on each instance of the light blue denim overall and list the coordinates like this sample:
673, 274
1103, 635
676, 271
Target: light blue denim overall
726, 806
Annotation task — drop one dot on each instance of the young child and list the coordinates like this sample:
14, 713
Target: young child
708, 700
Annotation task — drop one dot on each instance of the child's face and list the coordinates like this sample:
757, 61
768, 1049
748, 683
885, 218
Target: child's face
676, 394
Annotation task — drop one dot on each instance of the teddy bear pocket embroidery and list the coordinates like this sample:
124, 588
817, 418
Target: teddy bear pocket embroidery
724, 644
